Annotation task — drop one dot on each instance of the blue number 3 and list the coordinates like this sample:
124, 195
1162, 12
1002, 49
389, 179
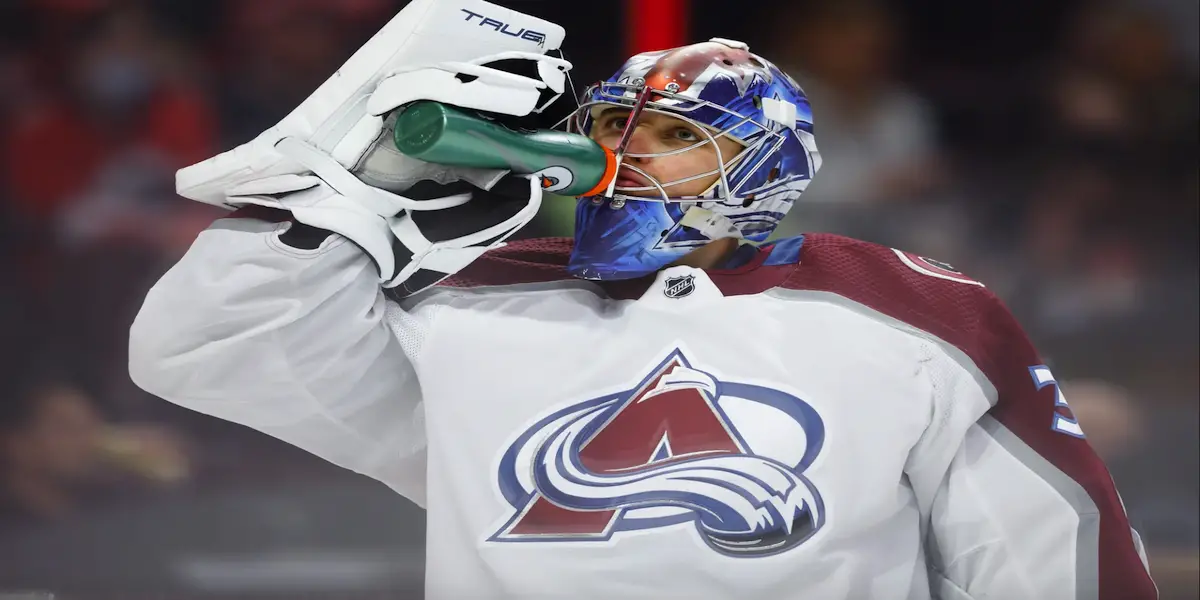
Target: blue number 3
1062, 424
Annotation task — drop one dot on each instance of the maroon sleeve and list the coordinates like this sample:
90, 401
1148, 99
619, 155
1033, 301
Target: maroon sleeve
1031, 408
934, 298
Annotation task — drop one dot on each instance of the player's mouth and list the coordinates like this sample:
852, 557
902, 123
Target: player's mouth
631, 179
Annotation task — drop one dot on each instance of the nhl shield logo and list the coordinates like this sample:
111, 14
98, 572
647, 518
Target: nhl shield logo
679, 287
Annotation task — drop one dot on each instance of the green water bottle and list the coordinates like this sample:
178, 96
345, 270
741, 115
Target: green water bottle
569, 164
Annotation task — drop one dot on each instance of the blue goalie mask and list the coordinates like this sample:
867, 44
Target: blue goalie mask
721, 90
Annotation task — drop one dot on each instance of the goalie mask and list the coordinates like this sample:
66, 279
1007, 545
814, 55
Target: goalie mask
719, 90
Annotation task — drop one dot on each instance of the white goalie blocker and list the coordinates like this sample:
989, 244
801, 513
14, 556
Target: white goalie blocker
339, 129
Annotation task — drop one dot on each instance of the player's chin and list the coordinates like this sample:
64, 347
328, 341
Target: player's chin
651, 194
637, 193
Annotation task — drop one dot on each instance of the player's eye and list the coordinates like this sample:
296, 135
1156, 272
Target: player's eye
618, 122
684, 134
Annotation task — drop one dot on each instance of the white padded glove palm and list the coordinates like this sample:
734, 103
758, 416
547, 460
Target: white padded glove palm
331, 163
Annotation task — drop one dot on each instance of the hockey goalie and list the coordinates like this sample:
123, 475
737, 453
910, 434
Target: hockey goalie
664, 406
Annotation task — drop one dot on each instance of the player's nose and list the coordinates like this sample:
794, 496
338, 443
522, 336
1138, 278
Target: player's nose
641, 141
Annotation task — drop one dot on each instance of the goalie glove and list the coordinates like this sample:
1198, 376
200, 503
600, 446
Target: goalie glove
446, 218
331, 164
428, 51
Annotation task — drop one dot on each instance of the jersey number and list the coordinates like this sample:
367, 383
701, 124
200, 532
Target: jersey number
1062, 423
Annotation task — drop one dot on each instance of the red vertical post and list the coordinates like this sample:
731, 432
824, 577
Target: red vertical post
655, 25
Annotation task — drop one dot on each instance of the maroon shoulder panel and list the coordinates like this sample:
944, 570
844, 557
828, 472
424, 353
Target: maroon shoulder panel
875, 276
545, 259
927, 295
523, 261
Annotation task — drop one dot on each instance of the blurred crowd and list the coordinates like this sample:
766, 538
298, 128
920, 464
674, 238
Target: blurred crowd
1048, 149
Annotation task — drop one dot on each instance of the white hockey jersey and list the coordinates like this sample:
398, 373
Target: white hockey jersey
830, 420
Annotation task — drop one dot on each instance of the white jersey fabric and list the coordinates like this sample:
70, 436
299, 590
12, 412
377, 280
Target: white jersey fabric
830, 420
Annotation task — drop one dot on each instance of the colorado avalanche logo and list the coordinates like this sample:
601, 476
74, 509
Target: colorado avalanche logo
681, 447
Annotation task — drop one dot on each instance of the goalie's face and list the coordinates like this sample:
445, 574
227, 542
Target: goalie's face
712, 142
663, 151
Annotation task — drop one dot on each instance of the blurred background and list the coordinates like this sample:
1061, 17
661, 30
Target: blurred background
1046, 147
